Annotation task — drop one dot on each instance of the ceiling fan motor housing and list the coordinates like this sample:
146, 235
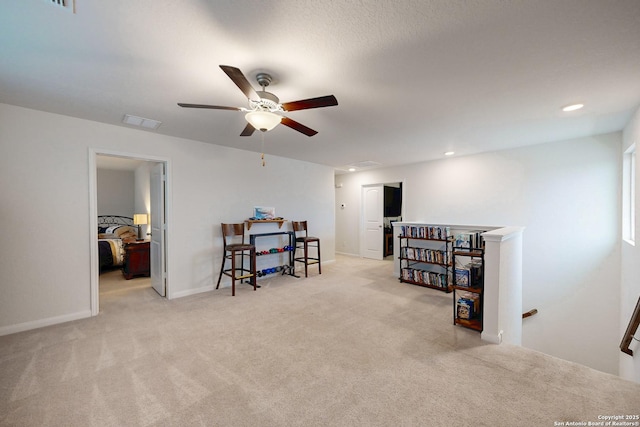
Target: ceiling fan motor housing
264, 79
269, 100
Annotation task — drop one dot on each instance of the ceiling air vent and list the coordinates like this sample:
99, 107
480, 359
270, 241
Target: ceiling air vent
358, 166
64, 4
141, 121
365, 164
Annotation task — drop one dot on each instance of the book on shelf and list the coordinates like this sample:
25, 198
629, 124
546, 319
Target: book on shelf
438, 232
469, 240
475, 273
434, 232
467, 306
463, 240
462, 277
425, 277
464, 309
470, 275
433, 256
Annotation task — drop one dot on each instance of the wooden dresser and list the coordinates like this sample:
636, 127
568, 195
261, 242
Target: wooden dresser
136, 260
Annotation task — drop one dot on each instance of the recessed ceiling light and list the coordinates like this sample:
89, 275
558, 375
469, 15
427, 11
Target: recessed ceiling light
352, 169
572, 107
449, 153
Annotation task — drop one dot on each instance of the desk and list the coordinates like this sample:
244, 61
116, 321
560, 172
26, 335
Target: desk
388, 244
290, 248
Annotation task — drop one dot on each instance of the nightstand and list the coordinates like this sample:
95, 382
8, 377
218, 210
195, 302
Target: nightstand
136, 259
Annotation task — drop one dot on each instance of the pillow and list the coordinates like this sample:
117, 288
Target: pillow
111, 229
125, 231
128, 235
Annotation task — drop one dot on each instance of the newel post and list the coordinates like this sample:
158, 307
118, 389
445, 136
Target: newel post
503, 286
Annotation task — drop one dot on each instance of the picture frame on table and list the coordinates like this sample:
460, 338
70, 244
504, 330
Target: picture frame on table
263, 212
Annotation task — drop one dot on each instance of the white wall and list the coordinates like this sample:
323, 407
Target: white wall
566, 195
44, 170
630, 288
115, 192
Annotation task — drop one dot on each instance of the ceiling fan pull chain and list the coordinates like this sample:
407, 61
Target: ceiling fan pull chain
262, 154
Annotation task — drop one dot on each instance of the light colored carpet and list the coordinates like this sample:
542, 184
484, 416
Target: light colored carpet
350, 347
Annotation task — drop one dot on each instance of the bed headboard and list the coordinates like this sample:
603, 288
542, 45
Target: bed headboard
116, 226
111, 220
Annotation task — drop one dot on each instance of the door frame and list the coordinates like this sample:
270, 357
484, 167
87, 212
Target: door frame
157, 193
374, 184
93, 216
363, 223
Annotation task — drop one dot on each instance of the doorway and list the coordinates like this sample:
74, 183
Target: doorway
151, 184
381, 205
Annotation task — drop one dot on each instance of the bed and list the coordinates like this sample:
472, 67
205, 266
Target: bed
113, 232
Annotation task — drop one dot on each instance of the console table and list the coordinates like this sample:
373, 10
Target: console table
250, 222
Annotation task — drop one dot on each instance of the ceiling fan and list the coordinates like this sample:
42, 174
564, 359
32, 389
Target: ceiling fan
265, 110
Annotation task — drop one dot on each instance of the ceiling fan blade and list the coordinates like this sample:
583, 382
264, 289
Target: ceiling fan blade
298, 126
248, 130
305, 104
212, 107
240, 80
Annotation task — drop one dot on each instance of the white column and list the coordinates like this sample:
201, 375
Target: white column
502, 320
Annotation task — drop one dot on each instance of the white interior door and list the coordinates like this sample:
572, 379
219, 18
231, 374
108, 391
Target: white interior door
158, 229
373, 221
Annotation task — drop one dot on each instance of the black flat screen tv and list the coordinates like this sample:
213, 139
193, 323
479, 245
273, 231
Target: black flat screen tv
392, 201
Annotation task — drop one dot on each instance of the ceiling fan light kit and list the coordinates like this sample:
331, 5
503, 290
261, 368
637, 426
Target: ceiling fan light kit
263, 120
265, 110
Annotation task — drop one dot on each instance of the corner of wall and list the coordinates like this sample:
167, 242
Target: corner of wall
629, 366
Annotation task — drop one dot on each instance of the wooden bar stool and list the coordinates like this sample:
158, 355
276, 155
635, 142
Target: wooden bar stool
230, 232
304, 242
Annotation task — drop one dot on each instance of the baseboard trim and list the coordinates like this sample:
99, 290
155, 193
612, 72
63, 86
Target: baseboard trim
189, 292
348, 254
492, 338
41, 323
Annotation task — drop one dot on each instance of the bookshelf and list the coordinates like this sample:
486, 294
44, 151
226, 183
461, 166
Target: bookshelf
502, 284
468, 284
425, 256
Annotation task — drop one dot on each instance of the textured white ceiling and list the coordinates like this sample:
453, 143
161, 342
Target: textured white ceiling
413, 78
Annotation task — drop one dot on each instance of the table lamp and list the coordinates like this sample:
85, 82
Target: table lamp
139, 219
